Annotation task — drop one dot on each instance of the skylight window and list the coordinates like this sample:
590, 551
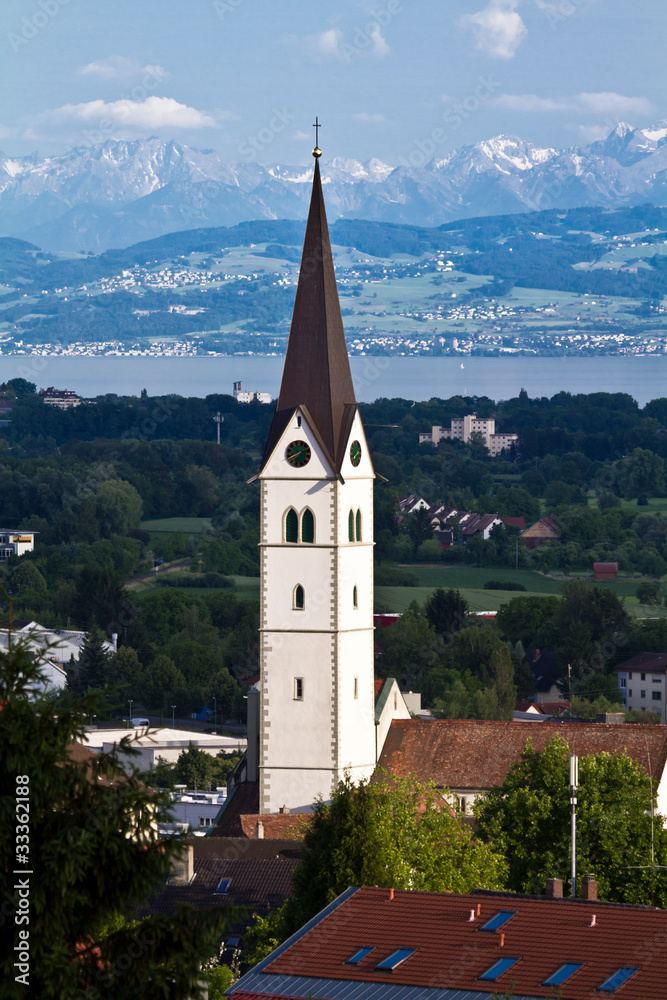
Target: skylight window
359, 956
499, 920
395, 959
223, 885
496, 971
563, 973
618, 979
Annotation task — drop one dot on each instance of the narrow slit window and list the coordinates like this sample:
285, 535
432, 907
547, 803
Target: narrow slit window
299, 599
350, 526
356, 687
291, 526
358, 525
355, 597
298, 688
307, 527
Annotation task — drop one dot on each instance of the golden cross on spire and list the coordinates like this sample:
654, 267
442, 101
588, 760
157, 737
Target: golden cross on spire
317, 152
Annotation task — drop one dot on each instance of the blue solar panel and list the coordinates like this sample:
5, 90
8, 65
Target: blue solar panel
617, 979
359, 956
500, 918
395, 959
496, 971
563, 973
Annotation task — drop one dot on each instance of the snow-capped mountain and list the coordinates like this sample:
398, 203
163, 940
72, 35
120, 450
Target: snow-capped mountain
117, 193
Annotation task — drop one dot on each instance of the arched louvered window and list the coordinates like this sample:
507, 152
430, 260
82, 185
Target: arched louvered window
355, 597
358, 525
299, 598
350, 526
307, 526
291, 526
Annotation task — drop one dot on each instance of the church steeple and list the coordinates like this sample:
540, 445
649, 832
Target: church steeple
317, 373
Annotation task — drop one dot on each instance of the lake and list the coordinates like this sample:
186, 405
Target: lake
416, 378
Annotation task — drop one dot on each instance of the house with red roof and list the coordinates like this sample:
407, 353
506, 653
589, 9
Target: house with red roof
471, 756
387, 944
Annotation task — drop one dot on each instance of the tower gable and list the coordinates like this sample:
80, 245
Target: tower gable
299, 426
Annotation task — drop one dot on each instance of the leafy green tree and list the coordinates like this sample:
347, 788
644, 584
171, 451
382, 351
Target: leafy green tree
101, 596
224, 689
584, 627
396, 833
642, 472
158, 681
125, 670
194, 768
118, 507
649, 592
95, 845
446, 611
419, 527
409, 649
25, 577
527, 819
523, 619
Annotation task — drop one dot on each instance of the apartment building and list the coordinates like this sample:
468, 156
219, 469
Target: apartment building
461, 429
642, 682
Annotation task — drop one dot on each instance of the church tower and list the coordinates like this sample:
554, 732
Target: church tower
316, 617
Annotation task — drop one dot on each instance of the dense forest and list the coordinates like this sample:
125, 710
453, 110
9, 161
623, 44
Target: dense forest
87, 479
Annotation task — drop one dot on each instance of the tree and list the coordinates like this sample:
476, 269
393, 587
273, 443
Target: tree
118, 507
523, 619
125, 670
224, 689
194, 768
527, 819
408, 649
101, 596
92, 668
25, 577
158, 681
642, 472
396, 833
446, 611
583, 629
649, 592
97, 855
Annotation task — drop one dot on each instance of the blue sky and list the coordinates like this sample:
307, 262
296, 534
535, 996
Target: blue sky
247, 77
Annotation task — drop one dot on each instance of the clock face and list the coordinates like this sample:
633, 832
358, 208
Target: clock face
355, 453
298, 454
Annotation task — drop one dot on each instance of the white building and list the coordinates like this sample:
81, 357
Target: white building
55, 647
461, 429
317, 697
161, 744
62, 399
16, 542
242, 395
198, 810
642, 682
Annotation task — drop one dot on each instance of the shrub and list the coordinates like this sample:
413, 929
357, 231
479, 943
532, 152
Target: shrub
394, 576
503, 585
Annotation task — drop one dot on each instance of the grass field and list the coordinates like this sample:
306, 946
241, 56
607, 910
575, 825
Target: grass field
188, 525
470, 580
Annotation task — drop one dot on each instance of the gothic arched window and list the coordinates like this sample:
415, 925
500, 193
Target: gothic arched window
299, 598
355, 597
291, 526
350, 526
307, 526
358, 525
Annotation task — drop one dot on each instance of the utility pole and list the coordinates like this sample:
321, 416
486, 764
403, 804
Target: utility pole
574, 784
219, 420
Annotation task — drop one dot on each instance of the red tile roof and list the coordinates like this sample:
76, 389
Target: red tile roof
514, 522
452, 952
478, 754
277, 826
655, 662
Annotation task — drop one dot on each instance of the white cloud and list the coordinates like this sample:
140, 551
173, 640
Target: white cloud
498, 29
591, 133
529, 102
121, 68
361, 42
609, 103
369, 119
151, 113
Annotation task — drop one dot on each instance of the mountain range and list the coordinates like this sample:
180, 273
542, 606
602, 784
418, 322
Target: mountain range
119, 192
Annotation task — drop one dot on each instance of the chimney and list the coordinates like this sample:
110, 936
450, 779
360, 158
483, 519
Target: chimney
391, 893
183, 867
589, 888
502, 940
554, 888
471, 918
259, 830
284, 810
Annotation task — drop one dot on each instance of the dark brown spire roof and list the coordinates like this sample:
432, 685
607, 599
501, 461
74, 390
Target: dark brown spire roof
317, 370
